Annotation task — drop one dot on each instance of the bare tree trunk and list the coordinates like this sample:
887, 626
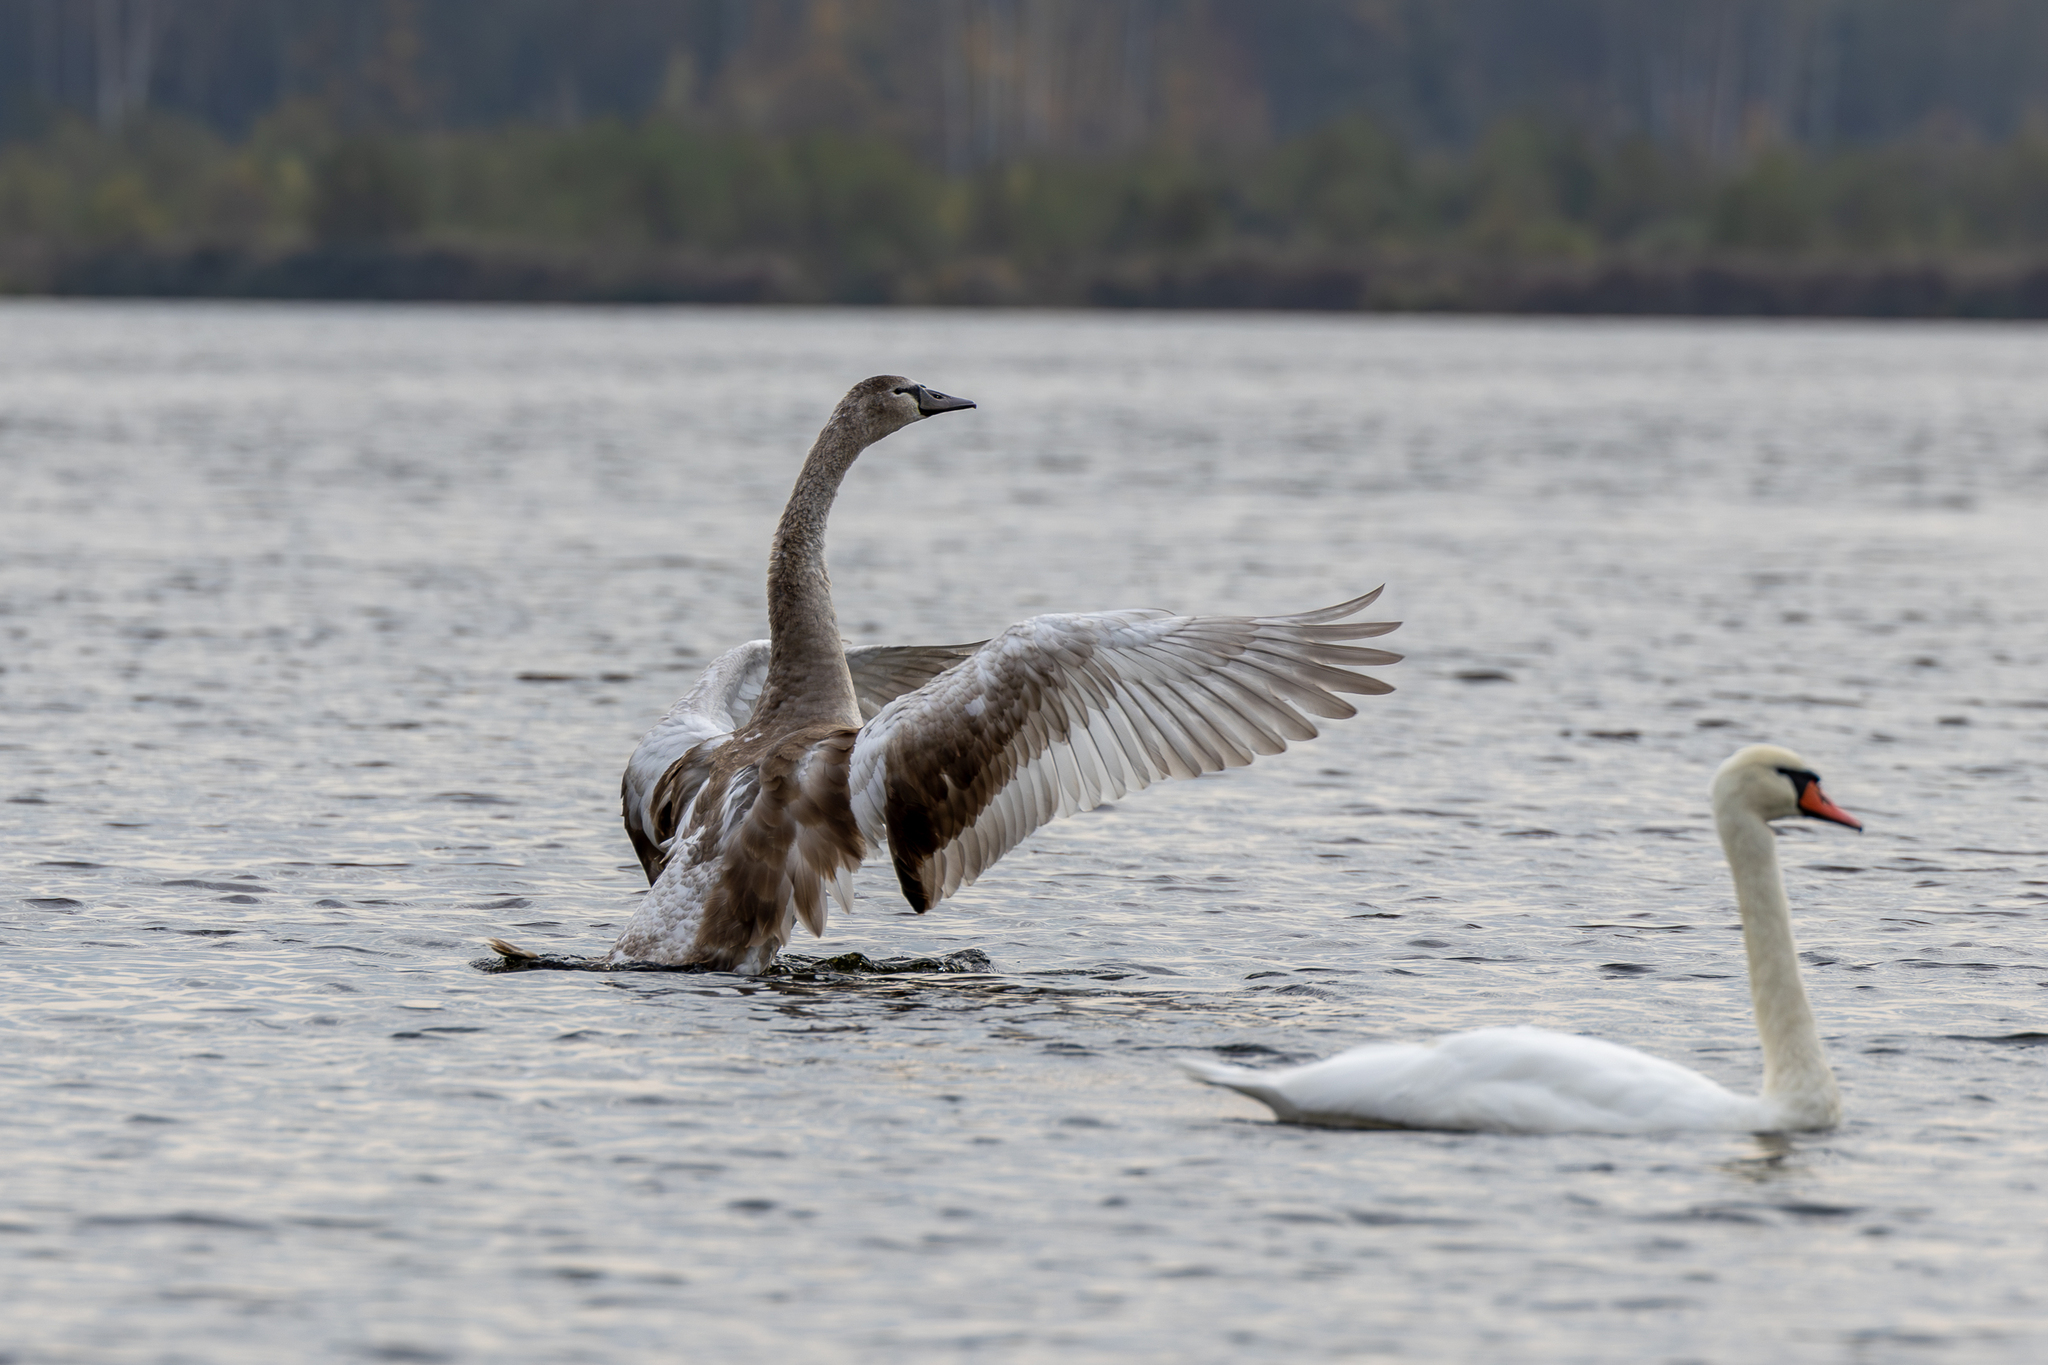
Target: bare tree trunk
1137, 90
1823, 70
140, 54
732, 29
996, 84
955, 90
124, 58
1041, 18
1724, 79
43, 39
106, 45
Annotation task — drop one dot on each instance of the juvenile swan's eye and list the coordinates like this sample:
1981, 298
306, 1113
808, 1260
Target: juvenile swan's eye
907, 388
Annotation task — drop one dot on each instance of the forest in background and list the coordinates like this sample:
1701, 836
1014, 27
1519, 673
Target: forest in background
1835, 156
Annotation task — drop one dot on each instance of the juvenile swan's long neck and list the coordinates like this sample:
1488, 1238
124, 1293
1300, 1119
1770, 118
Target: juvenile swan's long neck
1796, 1074
807, 679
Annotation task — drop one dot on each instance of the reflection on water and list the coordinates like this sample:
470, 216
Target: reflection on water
325, 633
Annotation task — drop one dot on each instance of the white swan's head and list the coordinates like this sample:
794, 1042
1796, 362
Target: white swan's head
889, 402
1774, 784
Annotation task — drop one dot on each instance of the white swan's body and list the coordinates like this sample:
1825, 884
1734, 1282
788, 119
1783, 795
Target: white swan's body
1496, 1080
1530, 1080
789, 762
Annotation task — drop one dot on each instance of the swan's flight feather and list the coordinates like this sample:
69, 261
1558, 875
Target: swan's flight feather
1062, 713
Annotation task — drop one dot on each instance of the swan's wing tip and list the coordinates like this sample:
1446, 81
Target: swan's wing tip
1324, 615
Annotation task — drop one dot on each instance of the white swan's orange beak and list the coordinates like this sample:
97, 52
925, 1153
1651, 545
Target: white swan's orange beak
1814, 802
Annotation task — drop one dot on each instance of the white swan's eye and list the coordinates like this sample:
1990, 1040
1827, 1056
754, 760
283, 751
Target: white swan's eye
1799, 777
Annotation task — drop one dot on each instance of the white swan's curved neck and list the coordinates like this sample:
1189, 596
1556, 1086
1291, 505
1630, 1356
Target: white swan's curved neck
1796, 1074
808, 678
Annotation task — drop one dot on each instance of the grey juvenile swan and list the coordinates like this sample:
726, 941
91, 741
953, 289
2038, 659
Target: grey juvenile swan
792, 758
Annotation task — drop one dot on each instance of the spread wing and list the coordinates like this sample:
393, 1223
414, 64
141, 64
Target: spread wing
882, 673
668, 769
1061, 713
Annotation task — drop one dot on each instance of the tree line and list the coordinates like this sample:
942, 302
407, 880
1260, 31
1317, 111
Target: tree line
968, 83
1773, 155
823, 215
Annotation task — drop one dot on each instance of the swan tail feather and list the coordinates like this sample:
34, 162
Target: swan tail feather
1244, 1081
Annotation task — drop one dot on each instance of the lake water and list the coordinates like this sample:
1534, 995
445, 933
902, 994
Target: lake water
326, 632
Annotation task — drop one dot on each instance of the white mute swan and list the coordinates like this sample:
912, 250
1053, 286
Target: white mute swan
1529, 1080
766, 787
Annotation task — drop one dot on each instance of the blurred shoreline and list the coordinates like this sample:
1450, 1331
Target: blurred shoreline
1534, 217
1994, 288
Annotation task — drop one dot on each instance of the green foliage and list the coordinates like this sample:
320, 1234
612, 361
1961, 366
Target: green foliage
1772, 206
160, 180
866, 205
366, 190
1346, 185
866, 220
1039, 213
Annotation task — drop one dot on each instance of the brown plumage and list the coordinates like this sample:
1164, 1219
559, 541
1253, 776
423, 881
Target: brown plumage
796, 837
673, 759
767, 786
769, 827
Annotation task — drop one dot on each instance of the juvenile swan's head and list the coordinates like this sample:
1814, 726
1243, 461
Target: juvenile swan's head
1773, 784
889, 402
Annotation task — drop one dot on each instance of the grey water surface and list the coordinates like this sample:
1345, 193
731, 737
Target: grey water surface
325, 632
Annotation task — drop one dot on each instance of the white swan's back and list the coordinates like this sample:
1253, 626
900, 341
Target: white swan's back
1499, 1080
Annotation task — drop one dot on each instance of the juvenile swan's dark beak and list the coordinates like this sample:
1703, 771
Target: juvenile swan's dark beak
931, 401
